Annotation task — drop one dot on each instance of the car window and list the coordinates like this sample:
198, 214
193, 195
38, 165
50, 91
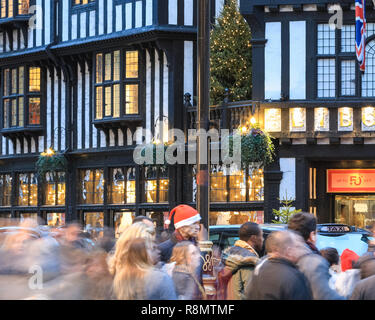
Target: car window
228, 240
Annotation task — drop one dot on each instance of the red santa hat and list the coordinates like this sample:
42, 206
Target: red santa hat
183, 215
347, 258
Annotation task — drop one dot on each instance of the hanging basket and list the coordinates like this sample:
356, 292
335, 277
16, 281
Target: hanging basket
257, 149
50, 161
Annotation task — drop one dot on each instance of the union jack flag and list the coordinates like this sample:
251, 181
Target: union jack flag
360, 33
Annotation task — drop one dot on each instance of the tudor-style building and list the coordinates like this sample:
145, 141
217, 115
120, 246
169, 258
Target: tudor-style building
314, 100
80, 76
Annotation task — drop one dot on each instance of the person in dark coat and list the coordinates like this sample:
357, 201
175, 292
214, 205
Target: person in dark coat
276, 277
240, 261
186, 221
364, 290
313, 265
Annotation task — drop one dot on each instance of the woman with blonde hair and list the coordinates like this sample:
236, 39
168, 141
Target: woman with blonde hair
185, 260
137, 279
132, 266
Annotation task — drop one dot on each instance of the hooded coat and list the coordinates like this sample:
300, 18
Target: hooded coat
239, 261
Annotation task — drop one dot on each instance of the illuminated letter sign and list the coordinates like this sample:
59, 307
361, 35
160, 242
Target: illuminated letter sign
272, 120
345, 119
321, 119
297, 119
368, 119
351, 180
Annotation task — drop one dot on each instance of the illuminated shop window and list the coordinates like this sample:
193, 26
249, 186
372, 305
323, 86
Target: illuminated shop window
94, 224
55, 219
27, 189
122, 187
5, 189
92, 186
235, 217
18, 101
54, 193
156, 184
231, 185
116, 80
122, 220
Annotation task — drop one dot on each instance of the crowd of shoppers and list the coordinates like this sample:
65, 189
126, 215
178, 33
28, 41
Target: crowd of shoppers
66, 263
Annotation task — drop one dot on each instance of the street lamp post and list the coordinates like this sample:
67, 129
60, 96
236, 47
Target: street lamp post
203, 154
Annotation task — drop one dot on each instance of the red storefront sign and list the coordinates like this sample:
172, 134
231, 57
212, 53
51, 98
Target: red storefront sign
351, 180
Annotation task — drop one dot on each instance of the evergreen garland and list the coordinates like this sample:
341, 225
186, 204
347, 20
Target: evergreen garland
230, 56
50, 162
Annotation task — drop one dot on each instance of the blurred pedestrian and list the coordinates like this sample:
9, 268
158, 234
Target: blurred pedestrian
135, 276
333, 258
240, 261
185, 260
313, 265
277, 277
146, 220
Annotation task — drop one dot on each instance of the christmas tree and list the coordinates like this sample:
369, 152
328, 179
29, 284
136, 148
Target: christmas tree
230, 56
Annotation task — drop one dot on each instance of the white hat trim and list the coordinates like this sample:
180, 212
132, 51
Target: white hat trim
188, 221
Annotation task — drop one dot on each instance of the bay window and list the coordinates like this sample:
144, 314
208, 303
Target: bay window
116, 84
21, 96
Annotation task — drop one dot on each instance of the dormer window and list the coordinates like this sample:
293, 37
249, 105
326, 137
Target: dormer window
11, 8
21, 97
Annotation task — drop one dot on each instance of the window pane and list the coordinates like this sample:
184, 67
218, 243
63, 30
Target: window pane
151, 184
55, 219
3, 8
20, 111
23, 6
218, 191
33, 190
116, 100
94, 224
348, 78
131, 64
326, 78
23, 191
256, 185
237, 186
107, 68
326, 39
14, 113
99, 103
348, 38
34, 110
10, 8
131, 98
50, 189
99, 68
6, 82
130, 185
117, 188
20, 80
5, 189
116, 66
6, 112
61, 188
34, 79
368, 83
92, 183
14, 81
121, 221
163, 194
108, 101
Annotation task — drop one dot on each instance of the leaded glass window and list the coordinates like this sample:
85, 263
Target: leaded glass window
27, 189
116, 84
122, 187
54, 188
5, 189
92, 186
156, 184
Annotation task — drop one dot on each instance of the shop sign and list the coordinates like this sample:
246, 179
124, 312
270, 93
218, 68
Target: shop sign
351, 180
272, 120
321, 119
368, 119
297, 119
345, 119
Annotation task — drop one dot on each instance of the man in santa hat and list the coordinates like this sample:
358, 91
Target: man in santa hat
186, 222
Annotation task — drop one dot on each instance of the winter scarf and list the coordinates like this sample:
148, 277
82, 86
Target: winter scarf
245, 245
